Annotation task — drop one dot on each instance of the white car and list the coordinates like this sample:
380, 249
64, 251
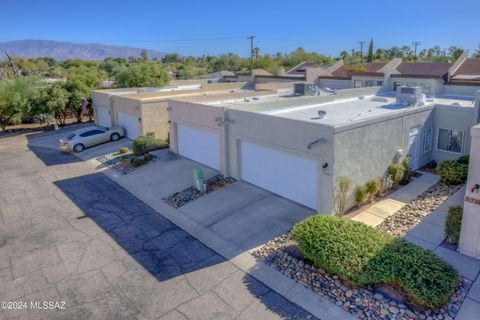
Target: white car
91, 136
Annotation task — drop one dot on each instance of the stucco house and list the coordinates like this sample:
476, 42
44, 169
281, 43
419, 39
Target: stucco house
298, 146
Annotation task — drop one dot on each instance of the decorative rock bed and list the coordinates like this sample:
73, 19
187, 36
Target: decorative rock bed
416, 210
365, 303
179, 199
120, 162
282, 254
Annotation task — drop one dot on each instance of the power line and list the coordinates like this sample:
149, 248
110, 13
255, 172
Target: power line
415, 45
361, 50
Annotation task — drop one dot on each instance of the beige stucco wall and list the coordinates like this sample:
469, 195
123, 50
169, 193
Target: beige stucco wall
100, 99
436, 85
284, 135
154, 118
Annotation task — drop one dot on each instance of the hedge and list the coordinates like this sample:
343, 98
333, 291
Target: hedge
361, 255
453, 224
452, 171
144, 144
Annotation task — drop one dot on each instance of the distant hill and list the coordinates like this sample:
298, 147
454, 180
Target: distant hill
69, 50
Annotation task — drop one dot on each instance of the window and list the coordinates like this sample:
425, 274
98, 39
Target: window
450, 140
427, 139
379, 83
369, 83
91, 133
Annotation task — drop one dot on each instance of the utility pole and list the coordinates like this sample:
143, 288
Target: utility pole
361, 50
251, 54
415, 45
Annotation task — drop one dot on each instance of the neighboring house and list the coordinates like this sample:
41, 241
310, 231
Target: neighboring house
298, 146
142, 110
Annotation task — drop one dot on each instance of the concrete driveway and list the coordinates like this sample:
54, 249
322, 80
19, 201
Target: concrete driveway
70, 234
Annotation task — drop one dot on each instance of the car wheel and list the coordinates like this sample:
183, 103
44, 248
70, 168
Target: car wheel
78, 147
114, 137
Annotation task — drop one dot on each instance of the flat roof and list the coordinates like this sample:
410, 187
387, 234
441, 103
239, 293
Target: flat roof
338, 111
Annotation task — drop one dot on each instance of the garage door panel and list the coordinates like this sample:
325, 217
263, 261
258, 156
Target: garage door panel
103, 117
291, 176
199, 145
129, 124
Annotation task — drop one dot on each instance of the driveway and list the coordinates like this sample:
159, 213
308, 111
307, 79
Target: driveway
69, 233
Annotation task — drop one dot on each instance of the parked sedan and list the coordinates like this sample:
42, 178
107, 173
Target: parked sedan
91, 136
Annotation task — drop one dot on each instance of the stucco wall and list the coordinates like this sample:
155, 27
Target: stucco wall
334, 83
284, 135
460, 90
364, 150
452, 117
154, 117
436, 85
100, 99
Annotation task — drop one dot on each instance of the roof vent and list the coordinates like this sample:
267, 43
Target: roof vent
322, 114
380, 99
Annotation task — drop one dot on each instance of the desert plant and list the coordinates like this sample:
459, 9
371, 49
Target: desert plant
453, 224
396, 172
464, 159
371, 189
144, 144
341, 193
361, 256
452, 172
123, 150
359, 195
407, 173
148, 157
137, 162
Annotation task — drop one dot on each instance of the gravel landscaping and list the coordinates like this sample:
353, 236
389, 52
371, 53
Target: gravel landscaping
179, 199
416, 210
120, 162
365, 303
283, 255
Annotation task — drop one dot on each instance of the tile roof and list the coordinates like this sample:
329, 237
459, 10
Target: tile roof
423, 69
469, 67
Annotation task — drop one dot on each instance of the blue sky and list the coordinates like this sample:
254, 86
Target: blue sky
213, 27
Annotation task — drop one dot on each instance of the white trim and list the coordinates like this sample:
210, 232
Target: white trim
451, 129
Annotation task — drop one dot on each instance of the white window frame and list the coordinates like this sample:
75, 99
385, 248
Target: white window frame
450, 129
424, 136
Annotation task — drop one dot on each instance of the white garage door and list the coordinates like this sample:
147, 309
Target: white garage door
130, 124
291, 176
103, 117
200, 145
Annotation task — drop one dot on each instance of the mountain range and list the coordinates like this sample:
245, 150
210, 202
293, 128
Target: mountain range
31, 48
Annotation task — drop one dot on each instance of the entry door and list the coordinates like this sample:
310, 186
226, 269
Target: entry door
284, 173
413, 148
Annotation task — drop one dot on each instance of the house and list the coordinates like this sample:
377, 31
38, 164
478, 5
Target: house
142, 110
298, 146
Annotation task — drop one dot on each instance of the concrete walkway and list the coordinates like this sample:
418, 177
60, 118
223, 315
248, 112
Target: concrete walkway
375, 214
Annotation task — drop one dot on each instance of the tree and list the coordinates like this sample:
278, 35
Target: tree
370, 51
143, 74
144, 55
15, 98
455, 52
190, 70
51, 100
80, 83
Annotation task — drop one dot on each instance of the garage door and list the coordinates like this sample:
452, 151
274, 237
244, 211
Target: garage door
130, 124
289, 175
199, 145
103, 117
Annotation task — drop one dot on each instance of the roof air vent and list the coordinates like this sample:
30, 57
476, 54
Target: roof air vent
321, 115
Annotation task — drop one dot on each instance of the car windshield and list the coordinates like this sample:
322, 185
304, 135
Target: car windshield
70, 136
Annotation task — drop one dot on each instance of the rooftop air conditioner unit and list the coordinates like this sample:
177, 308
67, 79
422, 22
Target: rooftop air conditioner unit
309, 89
410, 95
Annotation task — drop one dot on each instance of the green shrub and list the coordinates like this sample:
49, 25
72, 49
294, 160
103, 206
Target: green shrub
148, 157
359, 195
144, 144
123, 150
397, 172
453, 224
371, 189
464, 159
452, 172
407, 173
361, 255
137, 162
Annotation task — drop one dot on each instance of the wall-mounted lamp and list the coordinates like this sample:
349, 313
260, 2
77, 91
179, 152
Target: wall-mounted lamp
139, 119
475, 188
325, 166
